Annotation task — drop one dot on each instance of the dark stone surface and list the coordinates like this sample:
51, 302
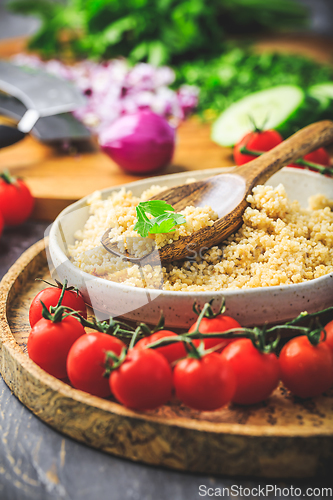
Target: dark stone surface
15, 240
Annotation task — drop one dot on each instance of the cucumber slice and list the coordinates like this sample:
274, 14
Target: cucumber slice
271, 108
323, 92
310, 112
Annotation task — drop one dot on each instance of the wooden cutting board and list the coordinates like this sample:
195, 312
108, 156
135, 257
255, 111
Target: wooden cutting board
58, 178
279, 438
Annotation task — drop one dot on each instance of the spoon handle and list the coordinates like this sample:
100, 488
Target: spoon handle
304, 141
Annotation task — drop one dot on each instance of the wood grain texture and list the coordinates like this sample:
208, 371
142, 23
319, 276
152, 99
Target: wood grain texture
283, 437
57, 179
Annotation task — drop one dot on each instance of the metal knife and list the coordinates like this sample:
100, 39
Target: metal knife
41, 93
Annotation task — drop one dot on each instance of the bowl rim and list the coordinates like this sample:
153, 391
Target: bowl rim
173, 293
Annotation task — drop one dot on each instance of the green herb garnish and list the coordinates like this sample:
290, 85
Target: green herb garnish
239, 71
157, 32
164, 218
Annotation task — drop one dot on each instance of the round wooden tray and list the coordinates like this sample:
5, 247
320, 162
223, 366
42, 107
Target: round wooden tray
283, 437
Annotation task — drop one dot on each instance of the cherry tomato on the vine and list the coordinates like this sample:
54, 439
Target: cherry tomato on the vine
172, 352
49, 343
257, 374
329, 335
1, 224
204, 384
86, 362
306, 369
16, 200
143, 381
50, 297
319, 156
262, 140
219, 323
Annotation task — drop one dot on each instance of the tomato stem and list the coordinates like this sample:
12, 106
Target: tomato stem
306, 315
160, 325
187, 338
64, 286
111, 327
57, 314
135, 336
257, 335
315, 335
116, 361
209, 313
304, 163
59, 285
257, 129
192, 350
9, 179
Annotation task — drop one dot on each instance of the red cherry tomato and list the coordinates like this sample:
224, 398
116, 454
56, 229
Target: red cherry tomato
143, 381
306, 369
50, 297
49, 343
257, 141
257, 374
172, 352
16, 201
86, 362
319, 156
204, 384
220, 323
1, 224
329, 335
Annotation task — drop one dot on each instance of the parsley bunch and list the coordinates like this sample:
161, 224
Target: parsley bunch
154, 31
239, 71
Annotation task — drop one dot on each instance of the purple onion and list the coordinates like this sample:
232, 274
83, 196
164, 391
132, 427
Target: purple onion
114, 89
139, 143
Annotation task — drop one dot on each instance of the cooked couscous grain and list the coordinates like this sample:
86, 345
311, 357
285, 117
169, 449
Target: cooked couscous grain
279, 243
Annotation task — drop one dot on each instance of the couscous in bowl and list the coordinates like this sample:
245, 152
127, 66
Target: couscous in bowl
251, 305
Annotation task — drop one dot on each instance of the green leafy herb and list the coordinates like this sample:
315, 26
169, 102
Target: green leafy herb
239, 71
158, 32
164, 218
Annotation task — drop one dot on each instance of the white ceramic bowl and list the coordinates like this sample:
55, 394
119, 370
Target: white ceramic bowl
249, 306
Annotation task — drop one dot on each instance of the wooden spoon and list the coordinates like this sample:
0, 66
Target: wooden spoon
227, 193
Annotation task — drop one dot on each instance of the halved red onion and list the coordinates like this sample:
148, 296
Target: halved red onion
139, 143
